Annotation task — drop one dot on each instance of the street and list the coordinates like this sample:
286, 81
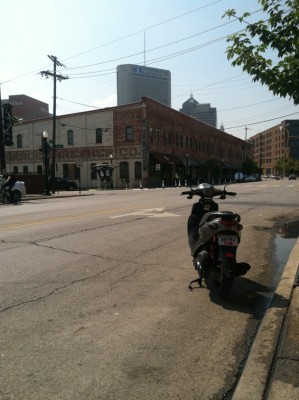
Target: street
94, 301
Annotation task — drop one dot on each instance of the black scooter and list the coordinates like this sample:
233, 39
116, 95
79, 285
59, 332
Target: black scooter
213, 238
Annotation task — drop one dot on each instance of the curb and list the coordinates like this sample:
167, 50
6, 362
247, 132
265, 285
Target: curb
254, 380
54, 196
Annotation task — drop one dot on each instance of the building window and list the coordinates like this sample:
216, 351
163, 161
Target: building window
15, 169
138, 175
157, 136
129, 133
39, 169
19, 142
99, 135
25, 170
70, 137
93, 174
164, 137
124, 170
151, 136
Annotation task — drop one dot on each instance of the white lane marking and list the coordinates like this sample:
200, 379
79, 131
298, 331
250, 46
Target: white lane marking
148, 212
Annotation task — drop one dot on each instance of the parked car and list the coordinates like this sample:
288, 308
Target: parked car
251, 178
19, 189
292, 176
64, 184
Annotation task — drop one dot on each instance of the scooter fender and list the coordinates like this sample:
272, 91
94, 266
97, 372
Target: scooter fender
227, 255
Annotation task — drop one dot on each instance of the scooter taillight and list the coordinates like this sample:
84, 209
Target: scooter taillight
229, 255
228, 222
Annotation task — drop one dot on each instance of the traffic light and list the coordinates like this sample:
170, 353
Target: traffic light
7, 123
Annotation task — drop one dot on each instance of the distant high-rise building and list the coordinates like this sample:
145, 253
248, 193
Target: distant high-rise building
203, 112
136, 81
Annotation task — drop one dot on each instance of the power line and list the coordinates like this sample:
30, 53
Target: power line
142, 30
261, 122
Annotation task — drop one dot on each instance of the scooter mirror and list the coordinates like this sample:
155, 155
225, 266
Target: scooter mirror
189, 196
223, 197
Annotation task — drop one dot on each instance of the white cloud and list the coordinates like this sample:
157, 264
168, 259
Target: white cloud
109, 101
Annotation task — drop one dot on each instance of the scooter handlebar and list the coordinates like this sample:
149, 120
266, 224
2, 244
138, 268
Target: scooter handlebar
194, 192
230, 193
188, 192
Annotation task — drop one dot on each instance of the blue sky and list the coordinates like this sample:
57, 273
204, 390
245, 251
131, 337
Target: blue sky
92, 37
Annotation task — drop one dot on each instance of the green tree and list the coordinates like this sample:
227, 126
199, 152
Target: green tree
276, 36
249, 166
280, 166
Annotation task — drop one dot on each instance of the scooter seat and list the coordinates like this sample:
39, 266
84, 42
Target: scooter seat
213, 215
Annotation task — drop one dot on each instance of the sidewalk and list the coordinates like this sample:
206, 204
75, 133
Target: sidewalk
272, 368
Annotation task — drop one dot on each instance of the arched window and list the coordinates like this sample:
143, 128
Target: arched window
19, 141
129, 133
99, 135
15, 169
70, 137
124, 170
39, 169
25, 169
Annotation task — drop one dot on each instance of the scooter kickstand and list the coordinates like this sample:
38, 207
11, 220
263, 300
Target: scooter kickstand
198, 280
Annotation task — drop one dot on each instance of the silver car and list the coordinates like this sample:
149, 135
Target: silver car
18, 189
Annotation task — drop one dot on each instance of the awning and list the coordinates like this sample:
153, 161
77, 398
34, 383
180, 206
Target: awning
192, 162
167, 159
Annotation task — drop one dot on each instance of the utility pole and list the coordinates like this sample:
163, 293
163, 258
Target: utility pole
2, 148
60, 78
246, 129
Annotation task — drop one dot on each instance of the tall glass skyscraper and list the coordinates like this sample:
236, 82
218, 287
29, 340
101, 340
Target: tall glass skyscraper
135, 81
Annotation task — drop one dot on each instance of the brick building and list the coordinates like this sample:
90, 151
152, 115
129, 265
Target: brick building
280, 142
147, 142
27, 108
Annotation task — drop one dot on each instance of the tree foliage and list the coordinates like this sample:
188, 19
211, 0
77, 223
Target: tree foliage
249, 166
269, 50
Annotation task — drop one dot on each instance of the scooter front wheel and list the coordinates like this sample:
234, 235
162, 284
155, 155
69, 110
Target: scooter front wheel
223, 282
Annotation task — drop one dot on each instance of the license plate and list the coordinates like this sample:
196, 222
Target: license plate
228, 240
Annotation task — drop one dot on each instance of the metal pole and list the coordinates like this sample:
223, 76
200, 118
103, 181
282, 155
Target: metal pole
46, 163
2, 148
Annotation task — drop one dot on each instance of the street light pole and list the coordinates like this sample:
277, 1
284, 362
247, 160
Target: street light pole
187, 169
45, 148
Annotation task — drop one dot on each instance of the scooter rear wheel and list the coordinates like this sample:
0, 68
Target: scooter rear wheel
223, 282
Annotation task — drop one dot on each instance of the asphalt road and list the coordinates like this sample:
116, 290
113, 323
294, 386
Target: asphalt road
94, 301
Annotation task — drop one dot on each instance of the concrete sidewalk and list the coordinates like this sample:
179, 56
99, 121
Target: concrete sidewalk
272, 368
